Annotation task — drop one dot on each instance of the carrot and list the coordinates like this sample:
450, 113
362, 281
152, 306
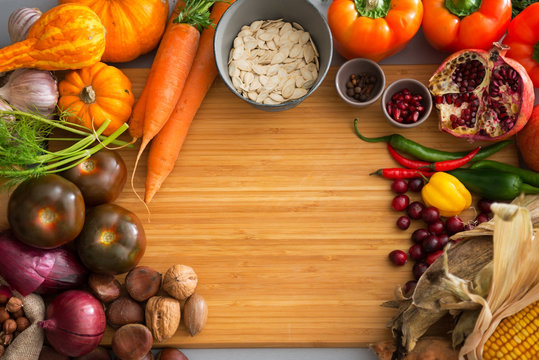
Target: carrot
166, 146
171, 67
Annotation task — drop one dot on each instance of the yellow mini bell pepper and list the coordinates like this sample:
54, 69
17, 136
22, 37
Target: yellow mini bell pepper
447, 194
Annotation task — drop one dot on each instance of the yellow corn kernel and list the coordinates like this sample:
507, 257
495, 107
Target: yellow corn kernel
515, 337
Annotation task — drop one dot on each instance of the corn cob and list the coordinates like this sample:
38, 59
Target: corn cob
516, 337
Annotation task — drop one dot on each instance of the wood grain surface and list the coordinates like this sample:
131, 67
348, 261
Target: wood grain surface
278, 215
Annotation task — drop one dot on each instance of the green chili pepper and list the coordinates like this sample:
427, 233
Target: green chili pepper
493, 184
421, 152
527, 176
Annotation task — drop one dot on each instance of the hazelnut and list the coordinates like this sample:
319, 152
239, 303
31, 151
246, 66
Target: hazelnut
149, 356
195, 314
5, 339
105, 287
163, 317
132, 342
124, 310
17, 314
22, 323
99, 353
9, 326
142, 282
13, 304
180, 281
48, 353
4, 315
171, 354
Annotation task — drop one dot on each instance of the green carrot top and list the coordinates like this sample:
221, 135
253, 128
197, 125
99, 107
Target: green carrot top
196, 13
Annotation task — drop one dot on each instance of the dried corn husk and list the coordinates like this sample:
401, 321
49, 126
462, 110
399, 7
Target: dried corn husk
459, 283
515, 279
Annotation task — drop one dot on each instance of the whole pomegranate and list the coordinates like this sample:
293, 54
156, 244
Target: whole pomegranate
528, 141
482, 95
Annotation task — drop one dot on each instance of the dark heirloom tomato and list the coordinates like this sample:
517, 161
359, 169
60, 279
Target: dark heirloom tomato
46, 212
100, 178
112, 240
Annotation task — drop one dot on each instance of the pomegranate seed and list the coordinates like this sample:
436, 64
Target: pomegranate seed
435, 255
415, 184
420, 108
419, 235
389, 108
431, 244
415, 209
416, 252
409, 287
438, 100
419, 269
400, 202
398, 257
415, 116
400, 186
396, 115
436, 227
403, 222
407, 97
484, 205
405, 91
430, 215
449, 99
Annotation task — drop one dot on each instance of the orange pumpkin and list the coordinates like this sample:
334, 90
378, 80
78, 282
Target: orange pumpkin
134, 27
96, 93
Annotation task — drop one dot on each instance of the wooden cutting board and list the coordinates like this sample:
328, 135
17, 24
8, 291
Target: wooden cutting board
277, 214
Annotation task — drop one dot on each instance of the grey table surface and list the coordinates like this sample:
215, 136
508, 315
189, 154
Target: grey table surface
418, 51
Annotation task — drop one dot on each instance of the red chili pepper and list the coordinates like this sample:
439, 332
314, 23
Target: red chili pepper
401, 173
407, 163
452, 164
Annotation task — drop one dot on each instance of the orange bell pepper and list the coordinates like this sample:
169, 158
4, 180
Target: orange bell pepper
373, 29
523, 40
452, 25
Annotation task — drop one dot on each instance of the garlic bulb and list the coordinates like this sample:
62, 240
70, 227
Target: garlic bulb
31, 90
20, 22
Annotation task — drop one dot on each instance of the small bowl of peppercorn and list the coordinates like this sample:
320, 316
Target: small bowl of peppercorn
406, 103
360, 82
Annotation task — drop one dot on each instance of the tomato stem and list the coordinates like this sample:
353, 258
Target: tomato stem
372, 8
462, 8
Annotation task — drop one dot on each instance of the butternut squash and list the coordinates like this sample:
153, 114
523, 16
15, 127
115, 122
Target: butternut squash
67, 36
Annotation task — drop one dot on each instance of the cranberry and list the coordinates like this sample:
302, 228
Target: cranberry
444, 239
435, 255
399, 186
415, 184
484, 205
437, 227
400, 202
419, 268
416, 252
403, 222
481, 218
430, 215
398, 257
469, 226
453, 225
431, 244
409, 287
415, 209
419, 235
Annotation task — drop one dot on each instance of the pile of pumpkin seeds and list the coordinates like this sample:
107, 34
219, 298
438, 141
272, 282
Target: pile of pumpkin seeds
273, 61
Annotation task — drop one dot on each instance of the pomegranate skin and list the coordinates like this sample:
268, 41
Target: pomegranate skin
440, 85
528, 141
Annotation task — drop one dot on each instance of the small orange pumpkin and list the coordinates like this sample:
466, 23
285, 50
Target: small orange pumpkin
96, 93
134, 27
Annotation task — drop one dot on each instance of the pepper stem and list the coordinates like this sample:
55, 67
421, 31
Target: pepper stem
367, 139
372, 8
462, 8
535, 54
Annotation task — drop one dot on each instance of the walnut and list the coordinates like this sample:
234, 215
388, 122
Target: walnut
163, 317
180, 281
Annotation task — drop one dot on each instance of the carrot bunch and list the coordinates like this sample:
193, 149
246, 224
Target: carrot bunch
181, 75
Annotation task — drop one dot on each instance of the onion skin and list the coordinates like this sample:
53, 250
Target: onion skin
66, 273
75, 323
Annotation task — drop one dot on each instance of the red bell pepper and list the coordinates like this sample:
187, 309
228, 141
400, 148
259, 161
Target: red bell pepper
452, 25
523, 40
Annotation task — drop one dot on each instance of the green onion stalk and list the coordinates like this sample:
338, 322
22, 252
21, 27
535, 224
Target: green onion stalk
23, 145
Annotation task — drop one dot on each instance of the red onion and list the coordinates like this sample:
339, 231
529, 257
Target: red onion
5, 294
28, 269
75, 323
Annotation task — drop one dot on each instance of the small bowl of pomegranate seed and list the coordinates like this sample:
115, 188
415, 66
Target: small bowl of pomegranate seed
360, 82
406, 103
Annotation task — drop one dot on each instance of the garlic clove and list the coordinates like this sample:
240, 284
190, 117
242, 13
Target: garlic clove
20, 21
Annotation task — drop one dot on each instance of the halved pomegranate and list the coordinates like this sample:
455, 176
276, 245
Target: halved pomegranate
482, 95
